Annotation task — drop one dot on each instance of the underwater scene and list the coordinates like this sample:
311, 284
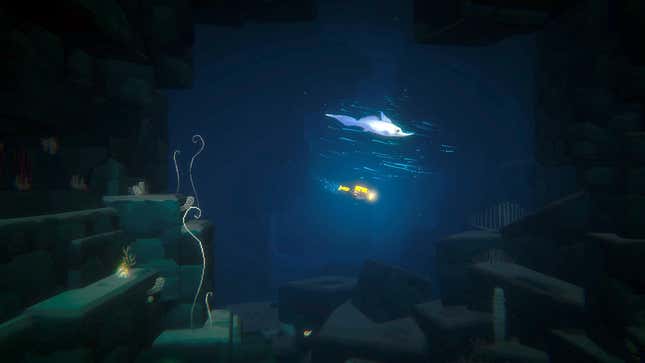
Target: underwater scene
322, 181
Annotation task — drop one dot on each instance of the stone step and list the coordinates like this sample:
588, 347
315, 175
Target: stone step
450, 328
569, 215
212, 344
455, 254
181, 247
623, 256
575, 346
15, 332
349, 332
77, 304
148, 215
72, 316
307, 303
385, 292
104, 245
49, 231
535, 302
226, 319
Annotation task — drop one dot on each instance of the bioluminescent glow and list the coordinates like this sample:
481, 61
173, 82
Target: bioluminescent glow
198, 213
307, 332
382, 126
128, 261
196, 138
174, 158
208, 308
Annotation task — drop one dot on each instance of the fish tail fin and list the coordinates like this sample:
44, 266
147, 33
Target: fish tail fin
345, 120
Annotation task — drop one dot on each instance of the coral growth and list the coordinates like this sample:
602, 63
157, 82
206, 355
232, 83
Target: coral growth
128, 260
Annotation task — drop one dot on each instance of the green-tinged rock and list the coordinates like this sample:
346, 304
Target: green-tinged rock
148, 249
169, 270
178, 317
189, 278
203, 344
146, 215
10, 305
92, 270
135, 92
31, 276
182, 247
108, 178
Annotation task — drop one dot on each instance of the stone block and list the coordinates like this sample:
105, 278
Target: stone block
535, 302
147, 249
575, 346
307, 303
627, 121
454, 254
147, 215
80, 67
104, 246
169, 270
386, 293
623, 257
64, 356
632, 215
193, 345
30, 276
349, 333
178, 317
450, 328
257, 317
181, 247
570, 215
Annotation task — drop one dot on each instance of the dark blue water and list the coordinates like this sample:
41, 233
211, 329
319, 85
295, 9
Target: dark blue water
259, 99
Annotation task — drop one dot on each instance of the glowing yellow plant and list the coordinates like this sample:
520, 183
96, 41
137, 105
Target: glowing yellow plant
128, 260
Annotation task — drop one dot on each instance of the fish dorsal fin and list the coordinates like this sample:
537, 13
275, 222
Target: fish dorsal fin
385, 118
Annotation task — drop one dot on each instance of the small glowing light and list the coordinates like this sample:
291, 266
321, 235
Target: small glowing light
343, 188
123, 271
151, 299
371, 196
307, 332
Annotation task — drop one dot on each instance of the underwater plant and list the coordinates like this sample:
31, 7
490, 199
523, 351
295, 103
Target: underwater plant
186, 209
198, 213
208, 308
174, 158
128, 260
196, 138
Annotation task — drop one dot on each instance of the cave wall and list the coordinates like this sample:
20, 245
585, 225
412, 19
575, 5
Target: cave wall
83, 87
589, 113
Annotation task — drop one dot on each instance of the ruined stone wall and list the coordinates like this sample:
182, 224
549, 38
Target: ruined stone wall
589, 114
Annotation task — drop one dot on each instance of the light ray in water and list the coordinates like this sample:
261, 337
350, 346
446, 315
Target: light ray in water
343, 138
369, 169
385, 142
352, 130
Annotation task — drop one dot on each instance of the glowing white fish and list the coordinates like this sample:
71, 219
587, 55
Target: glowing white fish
381, 126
